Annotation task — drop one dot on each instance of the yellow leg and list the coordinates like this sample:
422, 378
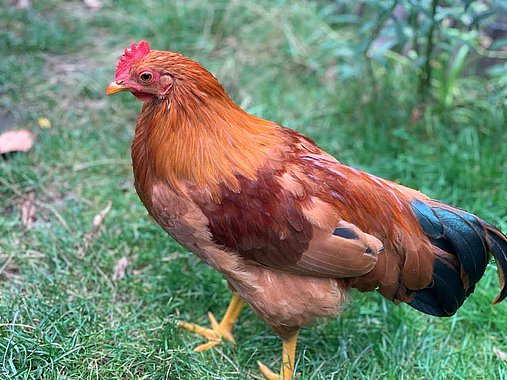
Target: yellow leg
288, 359
218, 330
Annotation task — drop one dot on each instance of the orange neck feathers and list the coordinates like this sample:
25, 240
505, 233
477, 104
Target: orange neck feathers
198, 135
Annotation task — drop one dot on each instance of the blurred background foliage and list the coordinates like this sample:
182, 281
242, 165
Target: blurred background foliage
413, 91
438, 67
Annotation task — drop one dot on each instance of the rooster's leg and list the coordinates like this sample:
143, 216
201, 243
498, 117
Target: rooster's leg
288, 359
218, 331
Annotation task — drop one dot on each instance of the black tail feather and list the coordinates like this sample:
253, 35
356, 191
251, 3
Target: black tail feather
444, 297
471, 241
468, 241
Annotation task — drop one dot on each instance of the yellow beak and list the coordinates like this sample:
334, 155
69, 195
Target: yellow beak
114, 87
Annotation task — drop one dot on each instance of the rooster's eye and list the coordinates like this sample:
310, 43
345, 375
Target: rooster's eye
146, 76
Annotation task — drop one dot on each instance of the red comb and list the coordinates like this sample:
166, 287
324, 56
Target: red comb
130, 57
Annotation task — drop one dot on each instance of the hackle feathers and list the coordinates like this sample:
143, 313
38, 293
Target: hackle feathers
198, 134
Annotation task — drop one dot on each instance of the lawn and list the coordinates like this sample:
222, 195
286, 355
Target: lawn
65, 313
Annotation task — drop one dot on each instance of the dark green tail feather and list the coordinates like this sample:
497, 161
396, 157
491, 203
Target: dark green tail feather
472, 241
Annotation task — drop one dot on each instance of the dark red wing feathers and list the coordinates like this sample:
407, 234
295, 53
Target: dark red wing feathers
263, 221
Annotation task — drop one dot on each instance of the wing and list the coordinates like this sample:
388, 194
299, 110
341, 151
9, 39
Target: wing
270, 225
288, 220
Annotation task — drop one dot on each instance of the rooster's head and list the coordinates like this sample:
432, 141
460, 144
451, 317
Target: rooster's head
152, 74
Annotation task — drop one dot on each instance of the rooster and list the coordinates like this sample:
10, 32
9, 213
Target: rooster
291, 228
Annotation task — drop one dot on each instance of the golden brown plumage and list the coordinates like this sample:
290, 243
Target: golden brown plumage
290, 228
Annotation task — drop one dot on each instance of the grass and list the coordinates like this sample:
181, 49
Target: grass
61, 314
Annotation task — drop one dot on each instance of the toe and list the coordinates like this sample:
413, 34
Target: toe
207, 333
206, 346
268, 374
220, 330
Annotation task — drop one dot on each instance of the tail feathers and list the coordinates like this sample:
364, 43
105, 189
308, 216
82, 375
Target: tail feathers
444, 297
498, 244
462, 245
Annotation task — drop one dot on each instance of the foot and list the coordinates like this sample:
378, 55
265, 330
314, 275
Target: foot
215, 335
218, 331
288, 359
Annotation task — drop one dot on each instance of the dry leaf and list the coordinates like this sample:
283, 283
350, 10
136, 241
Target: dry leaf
93, 234
20, 140
93, 4
119, 269
27, 210
98, 219
500, 354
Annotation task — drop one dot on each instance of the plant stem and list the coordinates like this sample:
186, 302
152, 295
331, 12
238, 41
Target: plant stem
373, 36
378, 27
425, 78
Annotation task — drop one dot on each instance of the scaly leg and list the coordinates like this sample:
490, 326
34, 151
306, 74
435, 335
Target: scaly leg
218, 330
288, 359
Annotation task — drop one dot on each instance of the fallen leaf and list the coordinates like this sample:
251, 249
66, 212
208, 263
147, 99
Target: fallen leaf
27, 210
119, 269
19, 140
21, 4
98, 219
93, 4
500, 354
93, 234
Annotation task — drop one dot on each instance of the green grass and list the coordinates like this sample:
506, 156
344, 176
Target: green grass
62, 316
